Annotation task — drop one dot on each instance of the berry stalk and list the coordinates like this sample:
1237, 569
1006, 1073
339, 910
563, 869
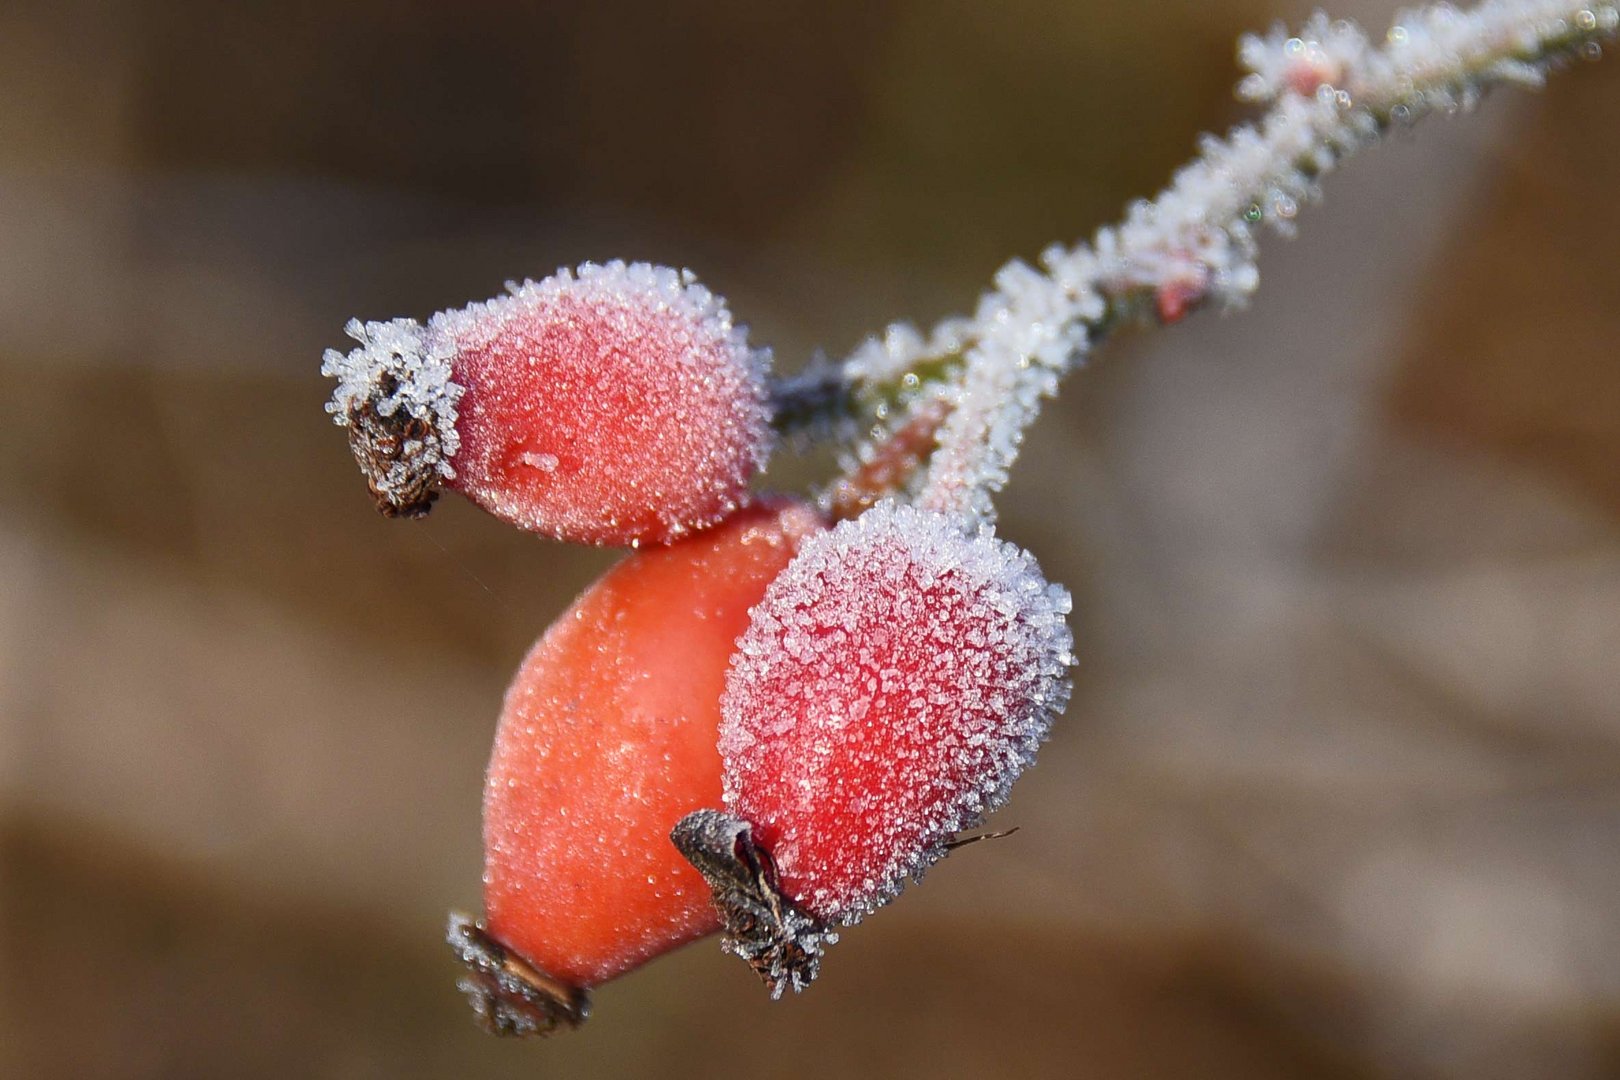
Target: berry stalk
1332, 92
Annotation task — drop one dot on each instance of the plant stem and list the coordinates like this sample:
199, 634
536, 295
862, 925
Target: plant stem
974, 385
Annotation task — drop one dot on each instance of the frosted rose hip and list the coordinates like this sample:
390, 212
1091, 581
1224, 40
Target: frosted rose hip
606, 738
618, 404
892, 684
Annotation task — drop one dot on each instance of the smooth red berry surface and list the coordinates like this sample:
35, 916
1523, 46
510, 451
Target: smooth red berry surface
893, 682
615, 405
608, 737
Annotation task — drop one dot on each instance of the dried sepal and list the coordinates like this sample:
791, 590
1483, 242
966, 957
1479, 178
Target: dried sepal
781, 942
510, 996
396, 397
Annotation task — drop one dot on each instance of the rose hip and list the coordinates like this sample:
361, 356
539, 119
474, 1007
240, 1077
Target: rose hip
618, 404
891, 685
607, 737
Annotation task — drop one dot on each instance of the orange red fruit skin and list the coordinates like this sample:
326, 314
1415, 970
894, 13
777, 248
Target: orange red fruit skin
608, 737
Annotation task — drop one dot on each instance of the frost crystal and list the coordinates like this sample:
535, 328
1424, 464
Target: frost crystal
396, 396
1323, 52
892, 684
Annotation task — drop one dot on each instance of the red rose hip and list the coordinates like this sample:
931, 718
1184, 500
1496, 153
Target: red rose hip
618, 404
891, 685
607, 737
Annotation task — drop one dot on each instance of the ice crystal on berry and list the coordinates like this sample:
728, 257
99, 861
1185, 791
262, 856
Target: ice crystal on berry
891, 685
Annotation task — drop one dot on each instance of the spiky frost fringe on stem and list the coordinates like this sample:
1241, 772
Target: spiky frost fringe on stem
1332, 92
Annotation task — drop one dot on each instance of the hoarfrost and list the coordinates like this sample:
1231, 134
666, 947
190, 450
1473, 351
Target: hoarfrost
1332, 92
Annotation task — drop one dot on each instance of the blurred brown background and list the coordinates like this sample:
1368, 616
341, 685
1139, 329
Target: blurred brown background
1339, 794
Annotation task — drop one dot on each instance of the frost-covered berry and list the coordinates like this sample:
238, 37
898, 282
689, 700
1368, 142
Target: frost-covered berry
891, 685
617, 404
607, 737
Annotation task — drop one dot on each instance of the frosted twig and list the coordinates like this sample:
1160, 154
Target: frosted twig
1332, 92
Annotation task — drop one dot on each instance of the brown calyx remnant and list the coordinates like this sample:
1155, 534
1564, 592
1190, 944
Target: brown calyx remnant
778, 939
398, 454
510, 996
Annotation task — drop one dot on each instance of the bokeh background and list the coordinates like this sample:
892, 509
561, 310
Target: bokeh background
1338, 795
